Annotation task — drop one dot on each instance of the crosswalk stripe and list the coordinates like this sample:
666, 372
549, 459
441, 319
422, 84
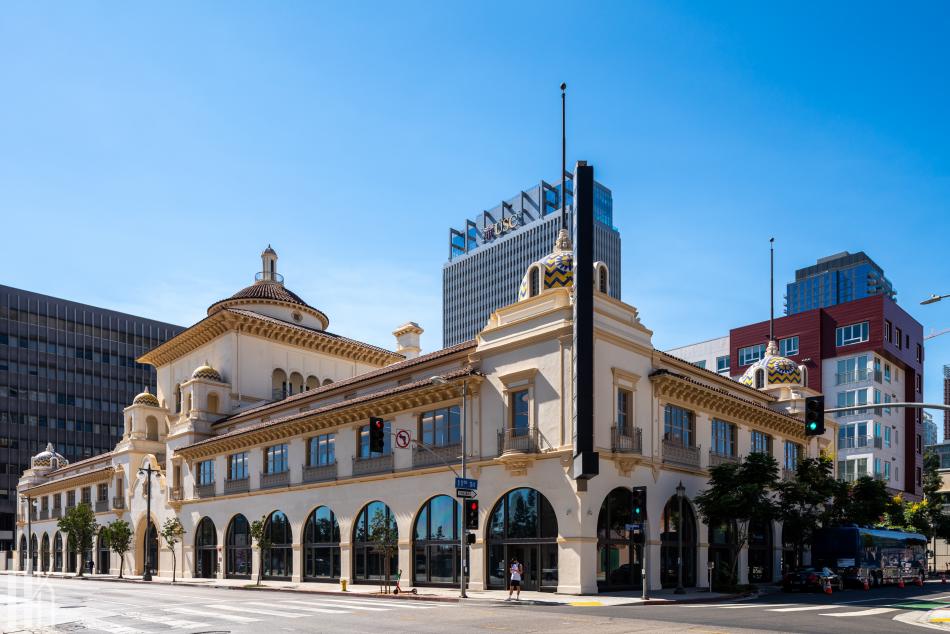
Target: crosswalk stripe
238, 608
861, 612
804, 608
336, 604
234, 618
753, 605
385, 602
305, 609
172, 623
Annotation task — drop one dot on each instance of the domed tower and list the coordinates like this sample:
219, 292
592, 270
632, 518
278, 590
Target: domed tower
556, 270
774, 371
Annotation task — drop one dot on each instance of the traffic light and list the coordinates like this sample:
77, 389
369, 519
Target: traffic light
638, 509
471, 514
377, 434
814, 415
470, 538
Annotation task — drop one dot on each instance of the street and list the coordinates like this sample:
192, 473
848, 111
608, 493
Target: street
65, 605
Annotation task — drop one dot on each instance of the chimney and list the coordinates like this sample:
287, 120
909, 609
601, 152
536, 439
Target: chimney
407, 339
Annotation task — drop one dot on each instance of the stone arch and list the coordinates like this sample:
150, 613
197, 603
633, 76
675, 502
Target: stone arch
146, 537
619, 557
327, 381
522, 525
435, 542
278, 560
45, 553
188, 403
534, 280
601, 278
206, 549
312, 382
103, 552
759, 379
237, 548
178, 398
58, 552
368, 564
296, 383
669, 543
212, 403
279, 386
151, 428
321, 545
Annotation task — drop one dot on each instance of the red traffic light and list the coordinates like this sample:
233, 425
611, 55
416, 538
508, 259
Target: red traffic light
473, 505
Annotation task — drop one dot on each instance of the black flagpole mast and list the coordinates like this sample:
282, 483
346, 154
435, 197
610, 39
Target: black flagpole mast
771, 289
563, 157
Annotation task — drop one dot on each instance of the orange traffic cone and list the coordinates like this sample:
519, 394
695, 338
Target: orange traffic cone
943, 577
867, 586
827, 586
920, 582
900, 582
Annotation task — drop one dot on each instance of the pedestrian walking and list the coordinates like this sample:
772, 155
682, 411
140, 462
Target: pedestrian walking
516, 572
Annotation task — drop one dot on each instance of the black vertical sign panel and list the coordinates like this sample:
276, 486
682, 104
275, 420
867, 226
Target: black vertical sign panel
586, 464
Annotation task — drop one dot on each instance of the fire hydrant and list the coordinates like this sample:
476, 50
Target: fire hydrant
343, 585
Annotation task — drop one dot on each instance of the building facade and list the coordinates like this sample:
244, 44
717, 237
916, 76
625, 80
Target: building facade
946, 401
836, 279
931, 436
488, 258
66, 372
712, 354
231, 448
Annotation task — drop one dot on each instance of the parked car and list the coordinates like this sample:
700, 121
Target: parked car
811, 578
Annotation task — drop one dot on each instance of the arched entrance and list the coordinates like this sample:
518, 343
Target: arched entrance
44, 552
72, 553
722, 553
237, 552
790, 551
435, 543
368, 563
149, 549
103, 552
278, 560
22, 552
206, 549
670, 540
34, 552
618, 557
321, 545
58, 552
760, 551
522, 526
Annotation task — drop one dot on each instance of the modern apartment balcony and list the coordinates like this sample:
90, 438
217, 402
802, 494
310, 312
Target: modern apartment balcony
366, 466
716, 459
273, 480
844, 378
626, 440
102, 506
439, 455
676, 453
518, 440
318, 473
203, 491
118, 502
238, 485
860, 442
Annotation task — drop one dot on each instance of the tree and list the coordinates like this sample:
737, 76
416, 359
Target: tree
869, 503
172, 531
79, 523
119, 535
384, 536
262, 541
804, 502
740, 492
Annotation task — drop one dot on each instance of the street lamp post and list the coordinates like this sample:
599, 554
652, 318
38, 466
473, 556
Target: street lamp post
934, 298
680, 494
148, 471
29, 534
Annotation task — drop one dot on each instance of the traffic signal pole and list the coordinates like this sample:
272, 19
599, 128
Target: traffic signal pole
463, 533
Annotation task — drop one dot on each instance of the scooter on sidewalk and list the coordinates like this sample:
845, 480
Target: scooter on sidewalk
397, 589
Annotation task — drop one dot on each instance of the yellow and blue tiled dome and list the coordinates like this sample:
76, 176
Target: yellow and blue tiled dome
777, 370
206, 372
555, 270
145, 398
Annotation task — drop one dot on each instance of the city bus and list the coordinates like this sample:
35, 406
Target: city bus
877, 556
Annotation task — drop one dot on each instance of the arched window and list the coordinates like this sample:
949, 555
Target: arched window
368, 563
34, 551
760, 552
618, 557
178, 399
238, 549
44, 552
151, 428
722, 552
206, 549
804, 371
279, 385
321, 555
296, 383
103, 553
534, 281
669, 543
522, 526
213, 403
188, 406
602, 284
58, 552
435, 542
759, 379
23, 552
278, 560
71, 553
327, 381
312, 382
150, 549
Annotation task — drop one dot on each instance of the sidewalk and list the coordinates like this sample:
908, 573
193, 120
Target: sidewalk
658, 597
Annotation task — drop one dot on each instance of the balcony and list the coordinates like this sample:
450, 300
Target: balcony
318, 473
843, 378
118, 503
626, 440
365, 466
203, 491
44, 514
102, 506
273, 480
676, 453
441, 455
523, 440
716, 459
238, 485
57, 512
278, 394
788, 475
175, 494
858, 442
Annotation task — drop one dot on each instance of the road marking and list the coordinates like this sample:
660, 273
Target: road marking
237, 608
172, 623
335, 604
915, 618
227, 617
804, 608
752, 605
321, 610
861, 612
387, 603
586, 603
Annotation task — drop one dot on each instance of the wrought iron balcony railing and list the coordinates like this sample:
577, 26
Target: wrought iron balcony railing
518, 440
626, 440
716, 458
278, 479
204, 490
675, 452
237, 485
318, 472
366, 466
445, 454
102, 506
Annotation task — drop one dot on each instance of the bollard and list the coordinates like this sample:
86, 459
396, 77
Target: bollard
867, 586
900, 582
343, 585
920, 582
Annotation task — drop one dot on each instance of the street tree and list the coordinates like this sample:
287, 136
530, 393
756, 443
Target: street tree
119, 535
172, 532
741, 493
262, 541
384, 536
804, 501
869, 503
79, 523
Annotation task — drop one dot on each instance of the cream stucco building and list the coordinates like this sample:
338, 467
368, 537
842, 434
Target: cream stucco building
261, 411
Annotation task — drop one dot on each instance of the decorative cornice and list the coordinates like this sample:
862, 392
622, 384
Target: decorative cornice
71, 482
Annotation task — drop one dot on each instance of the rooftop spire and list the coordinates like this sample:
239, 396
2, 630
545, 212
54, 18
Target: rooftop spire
771, 290
563, 156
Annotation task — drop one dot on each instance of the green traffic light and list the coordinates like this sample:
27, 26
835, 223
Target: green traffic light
637, 510
812, 425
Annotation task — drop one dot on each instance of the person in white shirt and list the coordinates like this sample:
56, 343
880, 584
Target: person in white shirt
516, 571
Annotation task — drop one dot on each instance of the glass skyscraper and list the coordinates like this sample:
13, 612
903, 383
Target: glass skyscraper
836, 279
67, 370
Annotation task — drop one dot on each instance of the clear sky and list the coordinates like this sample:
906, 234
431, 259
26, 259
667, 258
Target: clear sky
148, 153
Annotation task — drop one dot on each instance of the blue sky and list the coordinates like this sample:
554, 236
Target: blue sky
150, 152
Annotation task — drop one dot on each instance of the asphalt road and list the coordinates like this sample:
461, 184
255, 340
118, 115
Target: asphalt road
64, 605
